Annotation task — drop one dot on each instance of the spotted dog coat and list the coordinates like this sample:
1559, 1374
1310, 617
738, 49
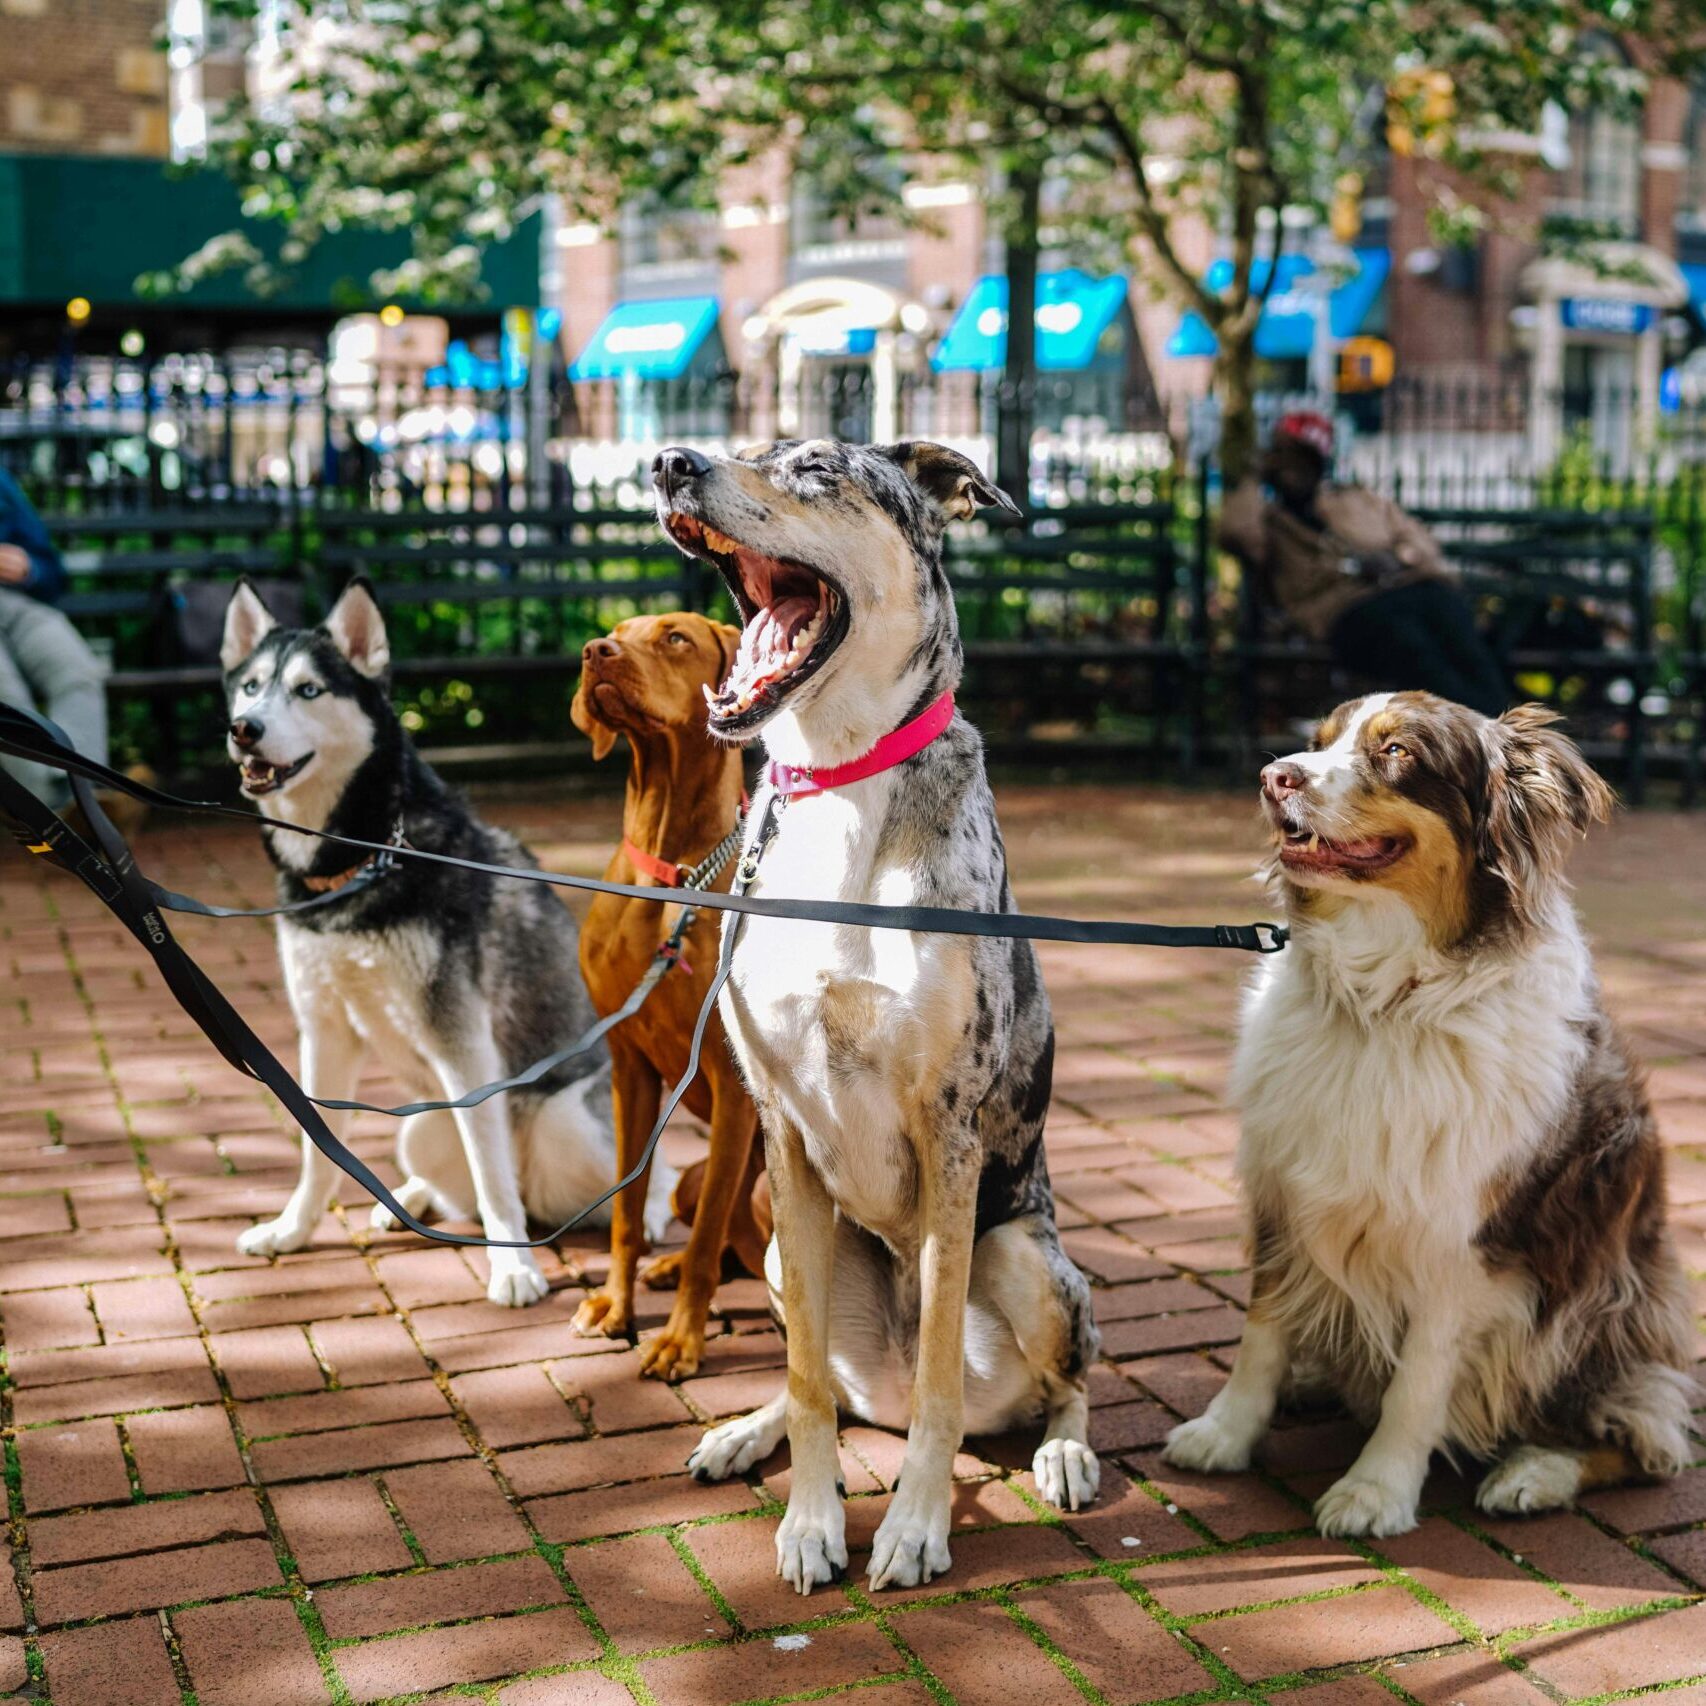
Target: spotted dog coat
902, 1079
450, 978
1454, 1174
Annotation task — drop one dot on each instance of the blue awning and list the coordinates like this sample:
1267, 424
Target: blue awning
651, 340
1073, 311
1695, 273
1286, 330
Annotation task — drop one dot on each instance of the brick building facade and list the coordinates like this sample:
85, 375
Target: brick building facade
84, 77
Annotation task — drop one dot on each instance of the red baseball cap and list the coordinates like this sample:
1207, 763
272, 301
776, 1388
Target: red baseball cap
1308, 427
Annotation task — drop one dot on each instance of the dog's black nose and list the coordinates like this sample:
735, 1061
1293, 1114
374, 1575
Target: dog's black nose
246, 731
604, 647
674, 467
1282, 778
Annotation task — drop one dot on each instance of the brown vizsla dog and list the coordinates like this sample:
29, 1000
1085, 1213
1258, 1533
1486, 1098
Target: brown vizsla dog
645, 680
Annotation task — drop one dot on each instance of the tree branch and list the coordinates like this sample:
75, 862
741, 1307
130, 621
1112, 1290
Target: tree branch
1150, 217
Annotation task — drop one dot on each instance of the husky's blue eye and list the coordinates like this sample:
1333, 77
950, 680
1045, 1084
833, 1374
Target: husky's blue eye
252, 685
309, 690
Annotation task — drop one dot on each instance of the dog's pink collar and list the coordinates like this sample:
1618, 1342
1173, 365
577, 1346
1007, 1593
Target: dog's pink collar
895, 748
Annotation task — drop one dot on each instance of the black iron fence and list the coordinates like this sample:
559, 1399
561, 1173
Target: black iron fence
503, 540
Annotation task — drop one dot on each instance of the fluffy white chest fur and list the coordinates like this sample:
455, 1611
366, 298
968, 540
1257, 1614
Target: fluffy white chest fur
376, 981
835, 1026
1385, 1089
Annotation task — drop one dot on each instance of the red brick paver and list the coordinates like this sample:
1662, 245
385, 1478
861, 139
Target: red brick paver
345, 1474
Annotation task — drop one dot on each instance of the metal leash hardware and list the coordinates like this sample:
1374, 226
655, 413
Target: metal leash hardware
699, 877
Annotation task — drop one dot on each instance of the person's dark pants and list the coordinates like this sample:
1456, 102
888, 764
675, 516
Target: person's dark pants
1422, 636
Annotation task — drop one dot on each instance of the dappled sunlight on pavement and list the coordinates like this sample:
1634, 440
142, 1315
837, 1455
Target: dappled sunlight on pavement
343, 1475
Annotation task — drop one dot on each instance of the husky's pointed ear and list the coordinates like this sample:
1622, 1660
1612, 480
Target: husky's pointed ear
588, 721
358, 629
959, 487
247, 623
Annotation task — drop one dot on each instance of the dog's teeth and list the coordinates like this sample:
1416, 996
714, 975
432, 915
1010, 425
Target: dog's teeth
1315, 843
710, 697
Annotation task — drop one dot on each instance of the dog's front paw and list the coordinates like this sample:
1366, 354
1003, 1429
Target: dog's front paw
1361, 1506
911, 1547
516, 1284
602, 1315
811, 1544
1531, 1479
1067, 1473
664, 1274
731, 1448
674, 1352
275, 1237
1206, 1444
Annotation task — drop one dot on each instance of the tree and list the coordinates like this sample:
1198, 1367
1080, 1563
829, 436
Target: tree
1234, 114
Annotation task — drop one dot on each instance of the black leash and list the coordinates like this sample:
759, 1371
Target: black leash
110, 873
26, 735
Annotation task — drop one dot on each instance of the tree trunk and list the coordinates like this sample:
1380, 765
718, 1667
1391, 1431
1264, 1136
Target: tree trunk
1235, 383
1016, 398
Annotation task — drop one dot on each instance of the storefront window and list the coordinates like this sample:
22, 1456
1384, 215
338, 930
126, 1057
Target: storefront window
657, 231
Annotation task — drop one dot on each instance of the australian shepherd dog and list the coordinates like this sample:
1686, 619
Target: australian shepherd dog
1454, 1178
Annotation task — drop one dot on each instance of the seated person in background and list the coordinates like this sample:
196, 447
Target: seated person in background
1351, 568
44, 661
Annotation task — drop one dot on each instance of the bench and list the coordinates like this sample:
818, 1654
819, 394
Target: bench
131, 573
1515, 565
1090, 614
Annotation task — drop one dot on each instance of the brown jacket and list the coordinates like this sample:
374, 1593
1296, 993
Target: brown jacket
1314, 574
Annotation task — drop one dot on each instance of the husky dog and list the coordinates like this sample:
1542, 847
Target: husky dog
450, 978
902, 1080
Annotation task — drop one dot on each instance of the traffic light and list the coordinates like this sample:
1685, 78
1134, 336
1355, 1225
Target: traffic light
1420, 106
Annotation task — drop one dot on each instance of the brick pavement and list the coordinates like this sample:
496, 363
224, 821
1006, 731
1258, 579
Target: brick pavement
344, 1477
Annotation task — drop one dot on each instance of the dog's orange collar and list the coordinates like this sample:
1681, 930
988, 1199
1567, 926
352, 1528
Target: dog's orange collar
667, 872
377, 863
664, 871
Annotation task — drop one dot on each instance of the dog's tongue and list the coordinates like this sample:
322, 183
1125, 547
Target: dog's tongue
774, 642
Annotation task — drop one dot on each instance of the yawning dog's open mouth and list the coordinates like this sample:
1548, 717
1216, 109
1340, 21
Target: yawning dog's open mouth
1305, 850
792, 618
260, 777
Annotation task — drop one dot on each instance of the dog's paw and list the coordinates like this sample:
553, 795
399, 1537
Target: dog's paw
664, 1274
811, 1544
1531, 1479
1358, 1506
911, 1547
731, 1448
1067, 1473
274, 1237
416, 1197
674, 1352
515, 1285
1206, 1444
602, 1315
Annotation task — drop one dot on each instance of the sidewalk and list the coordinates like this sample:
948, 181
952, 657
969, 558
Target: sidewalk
343, 1476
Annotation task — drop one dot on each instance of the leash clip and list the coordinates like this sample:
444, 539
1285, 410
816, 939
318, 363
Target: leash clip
1277, 937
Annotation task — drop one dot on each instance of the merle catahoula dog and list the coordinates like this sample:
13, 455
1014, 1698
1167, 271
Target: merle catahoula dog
902, 1080
452, 979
